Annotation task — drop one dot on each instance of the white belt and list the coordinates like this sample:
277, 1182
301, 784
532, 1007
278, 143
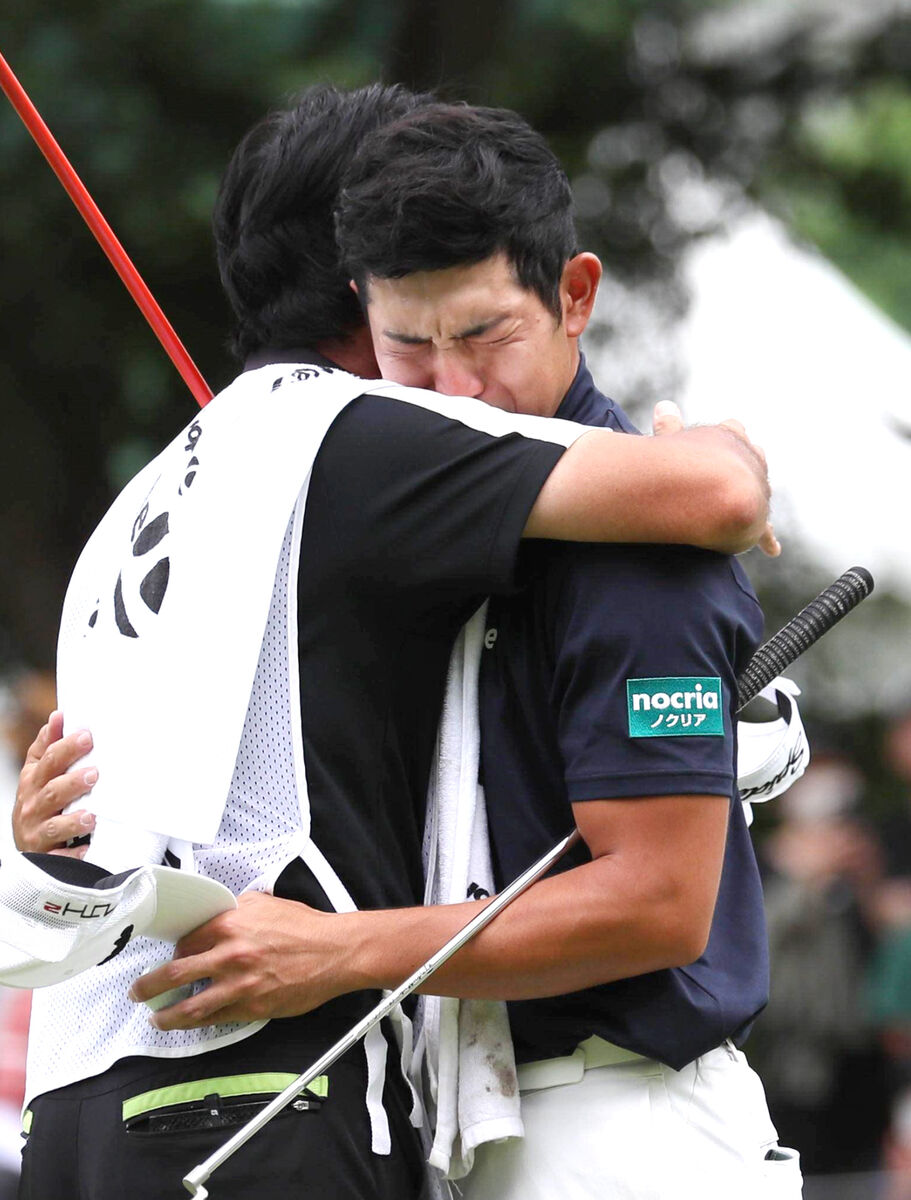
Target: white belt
552, 1072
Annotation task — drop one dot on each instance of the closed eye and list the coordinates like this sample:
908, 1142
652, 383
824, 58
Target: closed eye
493, 341
404, 350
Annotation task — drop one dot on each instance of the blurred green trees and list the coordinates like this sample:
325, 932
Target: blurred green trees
667, 115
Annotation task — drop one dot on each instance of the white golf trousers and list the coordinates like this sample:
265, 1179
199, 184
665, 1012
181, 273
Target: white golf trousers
642, 1131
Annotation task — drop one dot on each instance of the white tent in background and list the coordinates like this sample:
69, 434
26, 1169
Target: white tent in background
779, 338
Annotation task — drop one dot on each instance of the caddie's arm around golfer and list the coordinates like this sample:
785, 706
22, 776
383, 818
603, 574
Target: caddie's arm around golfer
595, 491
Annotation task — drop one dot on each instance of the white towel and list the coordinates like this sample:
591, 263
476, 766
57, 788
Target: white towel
466, 1045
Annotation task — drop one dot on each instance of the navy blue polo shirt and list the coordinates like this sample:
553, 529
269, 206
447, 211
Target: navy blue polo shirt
612, 674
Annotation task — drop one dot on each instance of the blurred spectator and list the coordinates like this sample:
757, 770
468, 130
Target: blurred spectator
894, 901
890, 1007
30, 698
14, 1011
28, 701
890, 973
815, 1046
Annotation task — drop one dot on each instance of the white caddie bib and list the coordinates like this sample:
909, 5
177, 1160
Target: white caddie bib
164, 615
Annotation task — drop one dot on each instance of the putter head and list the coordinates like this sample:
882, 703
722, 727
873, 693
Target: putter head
194, 1181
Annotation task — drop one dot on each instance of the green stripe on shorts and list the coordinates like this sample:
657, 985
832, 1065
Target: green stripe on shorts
265, 1083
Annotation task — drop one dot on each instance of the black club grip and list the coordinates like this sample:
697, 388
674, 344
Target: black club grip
832, 603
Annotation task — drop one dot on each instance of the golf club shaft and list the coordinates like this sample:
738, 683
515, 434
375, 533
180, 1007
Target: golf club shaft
104, 235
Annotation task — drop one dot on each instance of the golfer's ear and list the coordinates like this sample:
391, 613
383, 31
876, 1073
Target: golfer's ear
578, 289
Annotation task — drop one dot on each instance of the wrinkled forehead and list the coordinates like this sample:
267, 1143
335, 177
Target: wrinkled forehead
454, 302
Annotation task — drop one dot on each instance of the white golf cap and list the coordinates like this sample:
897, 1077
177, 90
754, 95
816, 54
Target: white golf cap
59, 916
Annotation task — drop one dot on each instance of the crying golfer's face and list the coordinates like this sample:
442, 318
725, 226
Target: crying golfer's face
475, 331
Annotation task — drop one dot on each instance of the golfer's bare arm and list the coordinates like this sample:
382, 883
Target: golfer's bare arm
643, 903
704, 487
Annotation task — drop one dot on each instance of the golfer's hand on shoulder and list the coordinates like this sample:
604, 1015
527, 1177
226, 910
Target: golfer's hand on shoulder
267, 958
47, 787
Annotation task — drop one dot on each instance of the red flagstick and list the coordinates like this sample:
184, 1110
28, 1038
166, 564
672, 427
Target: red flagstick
106, 237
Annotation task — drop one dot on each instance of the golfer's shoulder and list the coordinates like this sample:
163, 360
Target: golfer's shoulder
657, 585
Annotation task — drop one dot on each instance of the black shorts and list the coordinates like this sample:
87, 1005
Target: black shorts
134, 1132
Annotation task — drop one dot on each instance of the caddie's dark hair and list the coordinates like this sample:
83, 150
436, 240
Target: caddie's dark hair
448, 185
274, 234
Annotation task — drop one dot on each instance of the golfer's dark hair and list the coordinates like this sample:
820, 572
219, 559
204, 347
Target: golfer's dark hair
274, 234
449, 185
